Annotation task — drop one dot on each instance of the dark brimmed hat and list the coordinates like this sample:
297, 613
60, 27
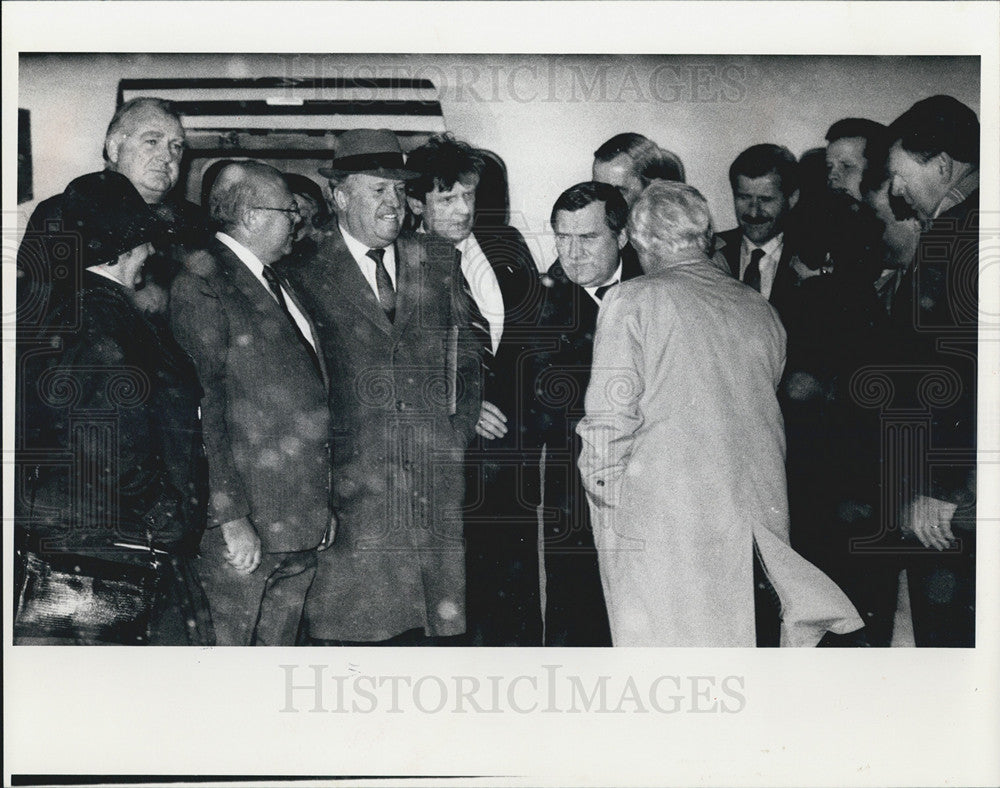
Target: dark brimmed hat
368, 152
109, 216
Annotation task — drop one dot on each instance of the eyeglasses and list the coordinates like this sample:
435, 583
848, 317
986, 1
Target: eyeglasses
293, 213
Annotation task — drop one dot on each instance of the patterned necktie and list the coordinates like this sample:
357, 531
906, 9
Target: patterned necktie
275, 285
751, 276
599, 293
477, 322
386, 293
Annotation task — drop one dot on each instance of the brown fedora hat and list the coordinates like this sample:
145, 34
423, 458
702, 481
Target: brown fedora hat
369, 152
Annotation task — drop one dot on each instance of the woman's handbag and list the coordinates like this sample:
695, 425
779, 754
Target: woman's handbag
86, 600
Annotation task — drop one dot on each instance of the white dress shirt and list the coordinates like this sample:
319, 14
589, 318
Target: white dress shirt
768, 263
359, 252
256, 267
615, 278
484, 286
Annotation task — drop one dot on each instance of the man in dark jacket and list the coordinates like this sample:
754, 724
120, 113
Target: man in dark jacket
934, 164
145, 142
503, 290
764, 180
589, 224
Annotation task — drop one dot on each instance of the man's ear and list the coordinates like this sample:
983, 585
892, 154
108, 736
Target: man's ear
793, 199
340, 198
622, 239
111, 147
945, 166
416, 206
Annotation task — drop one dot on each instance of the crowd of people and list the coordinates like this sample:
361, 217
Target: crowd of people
352, 411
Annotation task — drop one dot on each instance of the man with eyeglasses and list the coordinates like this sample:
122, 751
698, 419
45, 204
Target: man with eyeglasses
145, 142
264, 412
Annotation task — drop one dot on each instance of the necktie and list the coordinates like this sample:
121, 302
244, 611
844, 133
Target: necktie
386, 294
275, 285
751, 276
480, 325
599, 293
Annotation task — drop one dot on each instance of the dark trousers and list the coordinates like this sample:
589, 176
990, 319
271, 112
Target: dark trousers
263, 608
575, 610
503, 605
943, 595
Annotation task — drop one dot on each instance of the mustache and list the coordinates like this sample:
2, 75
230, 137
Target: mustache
757, 219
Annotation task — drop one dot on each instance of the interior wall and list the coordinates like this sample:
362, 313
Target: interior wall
544, 115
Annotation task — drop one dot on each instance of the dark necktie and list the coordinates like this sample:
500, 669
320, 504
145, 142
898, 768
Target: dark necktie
386, 293
275, 285
599, 293
751, 276
480, 325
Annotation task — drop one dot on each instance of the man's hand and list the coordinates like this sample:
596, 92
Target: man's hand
243, 545
492, 423
330, 535
929, 519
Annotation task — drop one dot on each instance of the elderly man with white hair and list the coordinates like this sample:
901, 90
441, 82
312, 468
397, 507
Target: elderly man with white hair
683, 448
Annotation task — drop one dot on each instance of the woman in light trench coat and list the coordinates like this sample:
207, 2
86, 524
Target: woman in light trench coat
683, 448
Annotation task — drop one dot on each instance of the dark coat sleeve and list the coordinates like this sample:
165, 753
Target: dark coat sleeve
200, 326
118, 482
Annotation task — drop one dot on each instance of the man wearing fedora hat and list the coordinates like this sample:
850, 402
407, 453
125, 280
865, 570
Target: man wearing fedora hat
404, 399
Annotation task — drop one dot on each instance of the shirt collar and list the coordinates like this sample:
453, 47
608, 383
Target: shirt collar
769, 248
959, 192
615, 277
248, 258
357, 249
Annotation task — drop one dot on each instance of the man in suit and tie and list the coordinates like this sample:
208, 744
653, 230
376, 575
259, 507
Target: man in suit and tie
503, 293
264, 412
589, 223
764, 180
404, 400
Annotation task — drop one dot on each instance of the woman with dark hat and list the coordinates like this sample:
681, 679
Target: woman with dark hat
111, 507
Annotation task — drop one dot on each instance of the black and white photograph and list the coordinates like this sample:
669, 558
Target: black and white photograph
541, 405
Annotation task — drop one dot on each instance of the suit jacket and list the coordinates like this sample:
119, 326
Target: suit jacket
728, 245
265, 415
506, 382
404, 399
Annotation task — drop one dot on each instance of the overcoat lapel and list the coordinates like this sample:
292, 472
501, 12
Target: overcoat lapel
263, 302
319, 356
408, 274
348, 282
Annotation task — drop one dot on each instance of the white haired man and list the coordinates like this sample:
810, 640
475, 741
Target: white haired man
683, 448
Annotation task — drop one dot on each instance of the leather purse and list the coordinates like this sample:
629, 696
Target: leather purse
86, 600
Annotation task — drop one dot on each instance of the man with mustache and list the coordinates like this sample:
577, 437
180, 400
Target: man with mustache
404, 400
765, 188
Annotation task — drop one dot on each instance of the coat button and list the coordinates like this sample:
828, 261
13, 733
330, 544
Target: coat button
400, 405
600, 482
